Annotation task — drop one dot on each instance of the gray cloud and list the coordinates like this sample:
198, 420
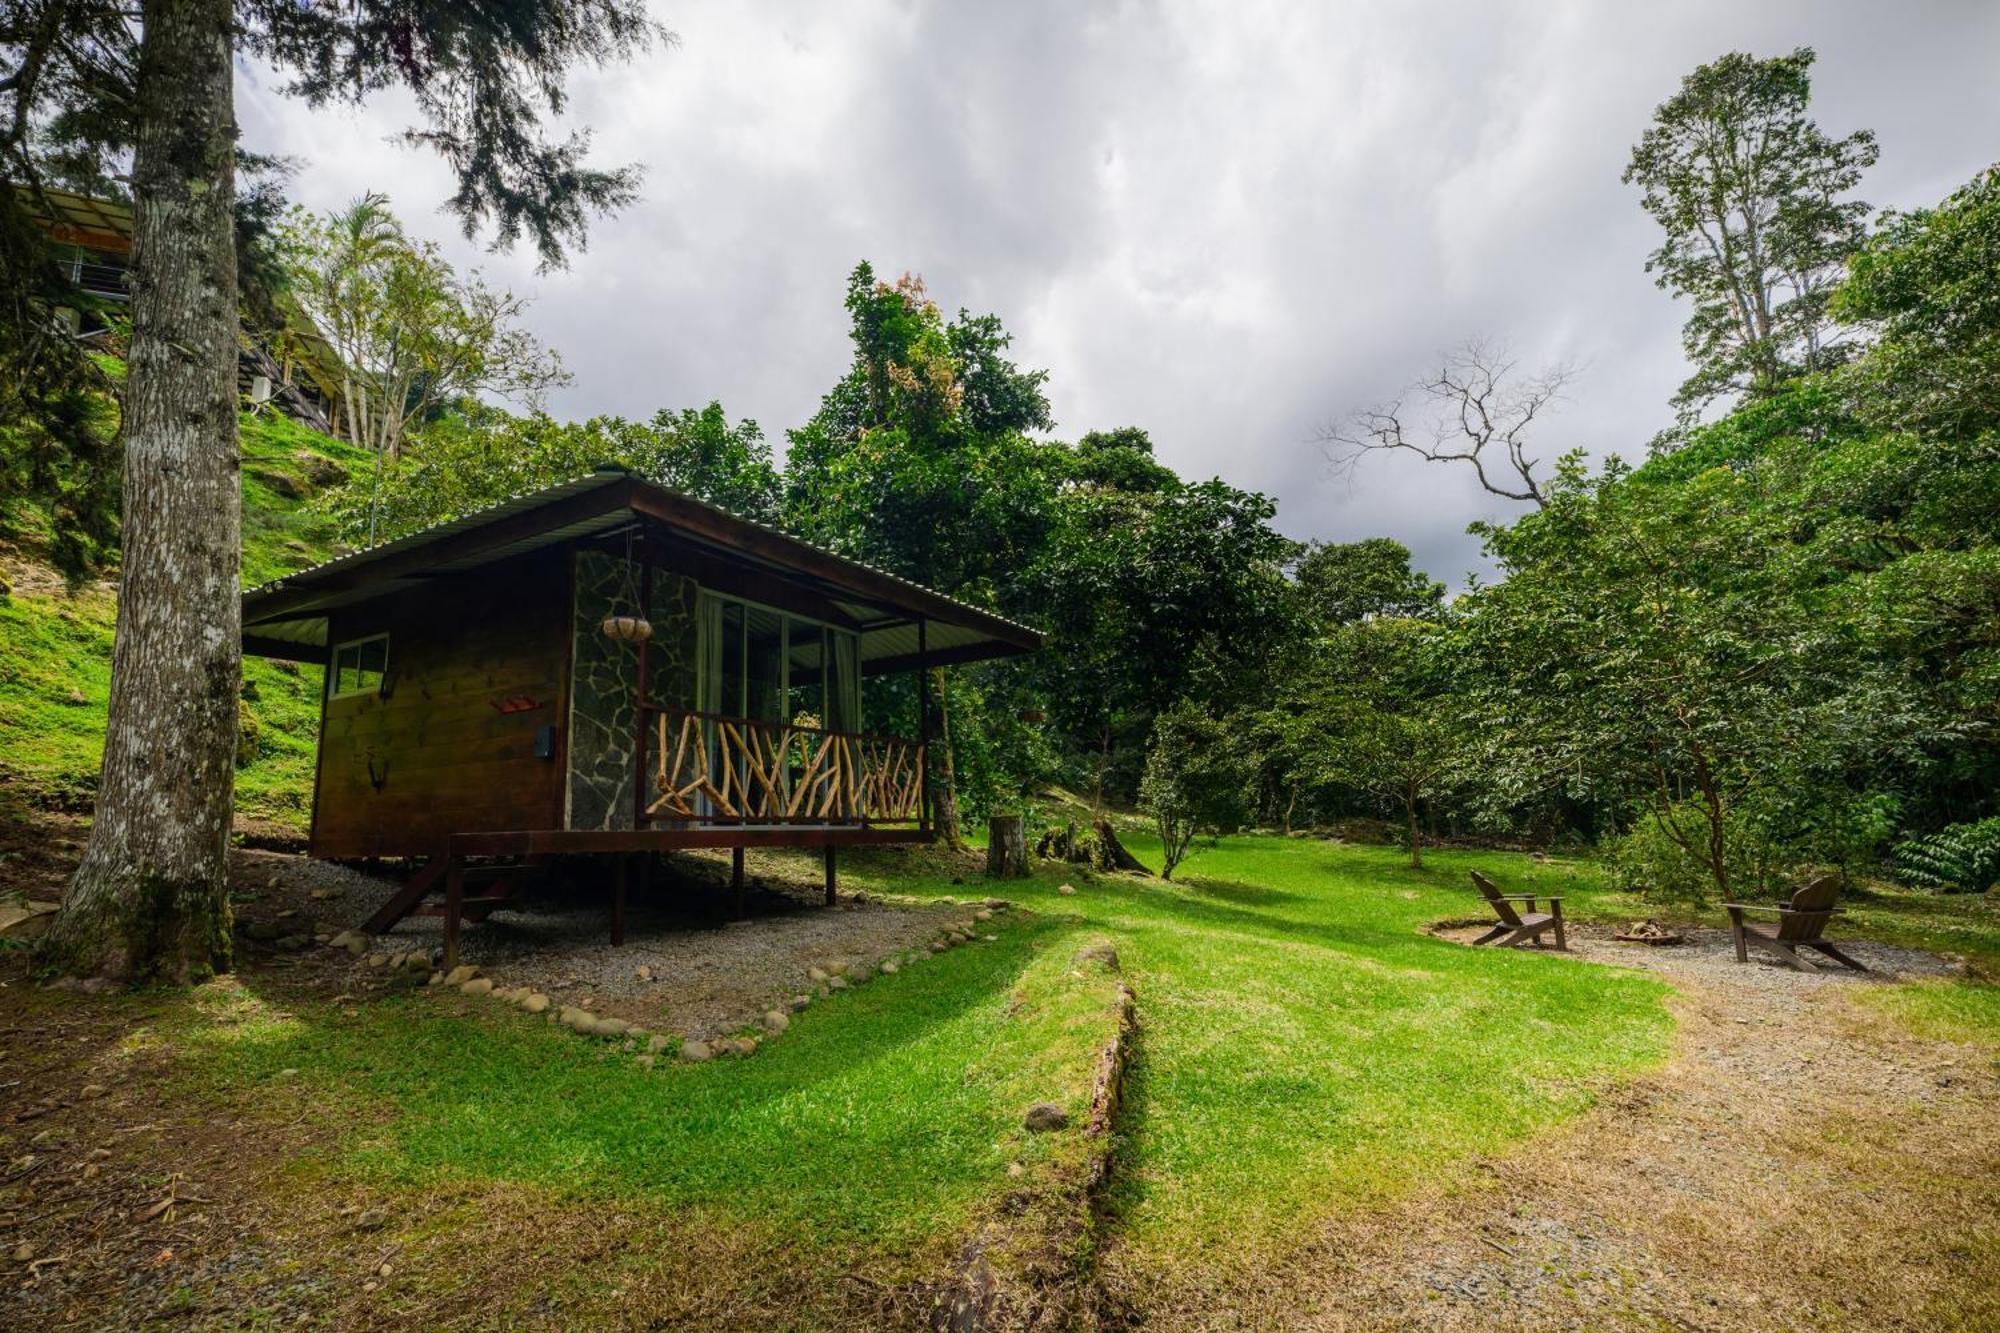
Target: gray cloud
1226, 223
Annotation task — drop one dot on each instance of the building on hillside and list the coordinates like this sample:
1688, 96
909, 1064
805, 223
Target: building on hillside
611, 669
291, 368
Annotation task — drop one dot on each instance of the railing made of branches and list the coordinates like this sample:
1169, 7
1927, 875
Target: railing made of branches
708, 768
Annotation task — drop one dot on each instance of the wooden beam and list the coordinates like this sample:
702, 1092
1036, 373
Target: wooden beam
775, 548
607, 842
716, 572
832, 874
256, 645
405, 899
965, 652
454, 908
621, 874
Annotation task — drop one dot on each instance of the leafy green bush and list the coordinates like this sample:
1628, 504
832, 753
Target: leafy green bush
1666, 860
1964, 858
1194, 780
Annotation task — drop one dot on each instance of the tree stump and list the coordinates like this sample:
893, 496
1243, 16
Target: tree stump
1007, 847
1108, 853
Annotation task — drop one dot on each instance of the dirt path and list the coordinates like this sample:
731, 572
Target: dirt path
1801, 1162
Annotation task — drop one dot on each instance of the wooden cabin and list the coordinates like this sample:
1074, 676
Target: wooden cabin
609, 667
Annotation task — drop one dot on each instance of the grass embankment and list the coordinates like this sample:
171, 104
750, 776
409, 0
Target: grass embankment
56, 642
879, 1122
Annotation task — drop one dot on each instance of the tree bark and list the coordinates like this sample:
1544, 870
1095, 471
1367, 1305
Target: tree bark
1007, 847
947, 795
1416, 839
148, 901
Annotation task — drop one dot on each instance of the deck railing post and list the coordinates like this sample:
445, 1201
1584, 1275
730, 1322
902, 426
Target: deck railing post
923, 729
454, 905
645, 609
619, 882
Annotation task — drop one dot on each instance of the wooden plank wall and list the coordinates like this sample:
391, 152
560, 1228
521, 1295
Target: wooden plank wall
447, 759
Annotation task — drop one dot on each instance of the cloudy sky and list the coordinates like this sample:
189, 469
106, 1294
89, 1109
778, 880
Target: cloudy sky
1228, 223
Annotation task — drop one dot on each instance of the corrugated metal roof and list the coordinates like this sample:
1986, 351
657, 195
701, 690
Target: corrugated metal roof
889, 641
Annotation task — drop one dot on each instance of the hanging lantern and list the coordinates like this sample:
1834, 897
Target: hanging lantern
633, 628
627, 629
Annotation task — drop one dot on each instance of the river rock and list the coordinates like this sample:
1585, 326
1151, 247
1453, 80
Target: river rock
695, 1051
476, 986
461, 974
775, 1021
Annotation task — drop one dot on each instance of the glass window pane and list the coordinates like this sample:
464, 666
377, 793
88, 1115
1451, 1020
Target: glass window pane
730, 694
764, 664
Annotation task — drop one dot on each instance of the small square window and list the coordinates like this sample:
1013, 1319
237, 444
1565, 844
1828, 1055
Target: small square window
358, 666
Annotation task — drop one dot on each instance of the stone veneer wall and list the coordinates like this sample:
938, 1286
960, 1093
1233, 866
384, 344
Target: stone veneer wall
603, 715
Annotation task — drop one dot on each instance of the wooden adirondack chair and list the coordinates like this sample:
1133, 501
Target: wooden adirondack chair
1798, 926
1516, 927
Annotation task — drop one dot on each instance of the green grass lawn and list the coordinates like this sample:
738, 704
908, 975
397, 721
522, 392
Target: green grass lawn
875, 1124
1303, 1046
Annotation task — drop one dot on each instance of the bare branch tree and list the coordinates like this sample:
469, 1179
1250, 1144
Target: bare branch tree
1473, 408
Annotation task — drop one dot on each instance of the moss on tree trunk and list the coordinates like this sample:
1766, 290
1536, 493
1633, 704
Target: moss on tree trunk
148, 901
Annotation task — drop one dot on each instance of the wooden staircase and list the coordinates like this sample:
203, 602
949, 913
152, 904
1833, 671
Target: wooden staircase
492, 885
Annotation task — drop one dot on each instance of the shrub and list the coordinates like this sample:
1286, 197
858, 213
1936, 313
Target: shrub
1194, 780
1653, 863
1963, 858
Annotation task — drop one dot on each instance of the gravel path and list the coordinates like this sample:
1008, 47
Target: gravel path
1802, 1161
684, 968
1709, 955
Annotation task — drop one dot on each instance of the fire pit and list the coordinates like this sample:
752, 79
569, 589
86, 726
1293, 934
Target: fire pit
1650, 932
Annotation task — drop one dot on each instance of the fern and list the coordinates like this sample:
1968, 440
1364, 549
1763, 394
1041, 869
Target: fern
1963, 858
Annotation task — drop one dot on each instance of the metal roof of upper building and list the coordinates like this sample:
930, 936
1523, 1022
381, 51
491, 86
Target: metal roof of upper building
66, 209
291, 609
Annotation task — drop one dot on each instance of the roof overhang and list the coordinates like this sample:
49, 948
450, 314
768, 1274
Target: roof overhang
901, 624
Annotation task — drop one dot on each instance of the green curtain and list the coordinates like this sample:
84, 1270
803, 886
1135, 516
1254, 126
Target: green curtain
843, 696
708, 689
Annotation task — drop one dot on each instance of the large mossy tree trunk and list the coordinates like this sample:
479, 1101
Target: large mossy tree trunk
148, 901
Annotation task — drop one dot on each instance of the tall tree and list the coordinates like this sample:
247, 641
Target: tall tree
1753, 198
412, 333
1375, 697
919, 459
480, 455
1929, 281
1342, 582
148, 899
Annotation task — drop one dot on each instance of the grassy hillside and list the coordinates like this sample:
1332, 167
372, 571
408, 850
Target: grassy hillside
55, 645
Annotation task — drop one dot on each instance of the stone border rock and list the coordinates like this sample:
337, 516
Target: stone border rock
416, 967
